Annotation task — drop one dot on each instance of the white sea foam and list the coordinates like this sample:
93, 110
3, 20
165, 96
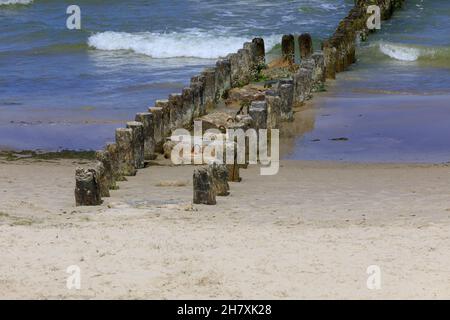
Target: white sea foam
6, 2
173, 45
328, 6
400, 52
404, 52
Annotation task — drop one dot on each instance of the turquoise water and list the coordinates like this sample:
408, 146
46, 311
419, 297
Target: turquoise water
394, 103
63, 88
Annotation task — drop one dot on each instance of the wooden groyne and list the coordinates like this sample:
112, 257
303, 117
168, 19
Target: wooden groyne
340, 49
205, 100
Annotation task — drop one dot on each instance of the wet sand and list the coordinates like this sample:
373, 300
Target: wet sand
361, 124
309, 232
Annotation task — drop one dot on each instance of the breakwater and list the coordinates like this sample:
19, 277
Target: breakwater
302, 75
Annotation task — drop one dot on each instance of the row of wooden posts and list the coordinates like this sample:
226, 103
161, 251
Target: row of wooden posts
144, 138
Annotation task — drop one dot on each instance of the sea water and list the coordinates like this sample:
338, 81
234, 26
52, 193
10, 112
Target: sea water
393, 105
69, 89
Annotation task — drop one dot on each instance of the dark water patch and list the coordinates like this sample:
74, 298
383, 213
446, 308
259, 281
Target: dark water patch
178, 86
57, 137
10, 103
377, 128
14, 155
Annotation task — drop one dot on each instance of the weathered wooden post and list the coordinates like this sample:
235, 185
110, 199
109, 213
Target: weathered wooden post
204, 191
306, 45
286, 92
260, 50
102, 179
104, 157
219, 173
258, 112
234, 166
273, 101
113, 152
165, 117
288, 48
234, 69
197, 87
329, 53
158, 129
87, 190
137, 129
245, 65
146, 118
337, 42
188, 107
257, 57
125, 151
209, 92
176, 111
319, 73
302, 85
223, 78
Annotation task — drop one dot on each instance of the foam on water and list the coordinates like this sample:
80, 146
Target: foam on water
437, 55
42, 63
400, 52
9, 2
173, 45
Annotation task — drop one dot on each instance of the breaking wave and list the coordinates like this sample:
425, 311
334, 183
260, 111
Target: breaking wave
173, 45
399, 52
10, 2
404, 52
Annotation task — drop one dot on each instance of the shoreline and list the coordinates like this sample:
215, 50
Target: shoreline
332, 102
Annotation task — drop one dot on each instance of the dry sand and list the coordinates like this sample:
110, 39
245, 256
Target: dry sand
309, 232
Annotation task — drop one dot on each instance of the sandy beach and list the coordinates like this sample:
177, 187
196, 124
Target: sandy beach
364, 175
309, 232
